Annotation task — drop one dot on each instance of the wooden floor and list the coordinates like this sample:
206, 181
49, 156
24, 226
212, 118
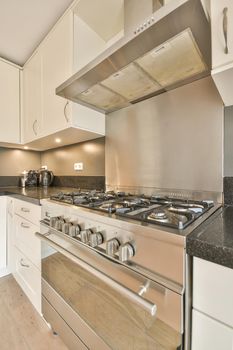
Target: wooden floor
21, 328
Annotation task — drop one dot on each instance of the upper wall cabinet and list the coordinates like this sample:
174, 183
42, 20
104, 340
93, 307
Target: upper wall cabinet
56, 53
222, 48
9, 103
47, 116
32, 106
222, 32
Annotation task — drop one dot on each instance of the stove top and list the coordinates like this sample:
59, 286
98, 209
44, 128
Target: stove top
160, 210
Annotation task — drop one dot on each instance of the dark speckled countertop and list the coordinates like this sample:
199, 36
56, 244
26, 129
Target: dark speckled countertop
213, 240
33, 194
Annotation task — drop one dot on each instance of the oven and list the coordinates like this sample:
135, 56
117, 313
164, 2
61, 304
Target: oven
93, 302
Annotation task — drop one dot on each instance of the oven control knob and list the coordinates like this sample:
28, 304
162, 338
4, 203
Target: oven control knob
85, 235
96, 239
112, 246
126, 252
52, 221
74, 230
58, 224
65, 227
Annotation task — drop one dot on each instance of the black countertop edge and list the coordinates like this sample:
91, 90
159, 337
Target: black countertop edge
33, 194
213, 239
21, 197
210, 252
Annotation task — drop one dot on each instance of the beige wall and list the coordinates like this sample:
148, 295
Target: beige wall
91, 153
14, 161
60, 160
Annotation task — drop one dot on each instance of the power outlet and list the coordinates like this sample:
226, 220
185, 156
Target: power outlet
78, 166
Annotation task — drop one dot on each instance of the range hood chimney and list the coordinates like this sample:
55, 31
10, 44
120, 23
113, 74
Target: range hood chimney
170, 47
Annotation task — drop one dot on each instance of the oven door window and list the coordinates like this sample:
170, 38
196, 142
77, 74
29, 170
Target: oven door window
122, 324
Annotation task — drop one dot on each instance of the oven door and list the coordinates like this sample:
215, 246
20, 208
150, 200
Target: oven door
112, 306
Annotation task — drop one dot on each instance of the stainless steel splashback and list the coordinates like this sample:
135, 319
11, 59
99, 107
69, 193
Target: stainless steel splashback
171, 141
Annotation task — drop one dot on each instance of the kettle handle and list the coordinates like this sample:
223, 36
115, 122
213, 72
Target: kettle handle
52, 177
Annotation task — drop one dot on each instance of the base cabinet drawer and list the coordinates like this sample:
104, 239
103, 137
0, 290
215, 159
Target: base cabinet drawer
29, 278
212, 290
26, 240
28, 211
208, 334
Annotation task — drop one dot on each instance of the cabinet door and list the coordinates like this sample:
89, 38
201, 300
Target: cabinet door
28, 211
10, 235
208, 334
32, 103
212, 290
26, 241
57, 67
219, 56
9, 103
29, 278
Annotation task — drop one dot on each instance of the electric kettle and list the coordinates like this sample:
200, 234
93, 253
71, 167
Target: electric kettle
45, 177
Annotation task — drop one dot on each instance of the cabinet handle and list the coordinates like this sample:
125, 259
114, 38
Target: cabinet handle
24, 225
225, 29
22, 263
25, 210
65, 112
34, 127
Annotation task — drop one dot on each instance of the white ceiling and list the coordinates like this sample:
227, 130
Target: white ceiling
24, 23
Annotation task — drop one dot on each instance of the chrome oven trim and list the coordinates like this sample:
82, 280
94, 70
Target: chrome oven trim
126, 292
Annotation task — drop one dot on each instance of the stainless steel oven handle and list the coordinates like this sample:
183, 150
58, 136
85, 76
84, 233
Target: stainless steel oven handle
126, 292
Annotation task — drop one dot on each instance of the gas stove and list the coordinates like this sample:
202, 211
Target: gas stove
132, 243
158, 210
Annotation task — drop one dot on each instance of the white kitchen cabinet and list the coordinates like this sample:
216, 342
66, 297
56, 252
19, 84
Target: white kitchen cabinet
28, 277
209, 334
56, 51
213, 290
57, 65
10, 235
9, 103
219, 55
32, 102
212, 324
3, 236
28, 211
27, 250
222, 60
47, 116
26, 240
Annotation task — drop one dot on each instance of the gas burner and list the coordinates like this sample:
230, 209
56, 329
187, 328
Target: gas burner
161, 210
113, 208
170, 216
157, 215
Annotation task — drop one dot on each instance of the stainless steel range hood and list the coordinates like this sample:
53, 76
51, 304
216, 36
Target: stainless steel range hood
171, 47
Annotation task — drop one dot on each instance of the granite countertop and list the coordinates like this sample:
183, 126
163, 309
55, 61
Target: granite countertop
213, 240
33, 194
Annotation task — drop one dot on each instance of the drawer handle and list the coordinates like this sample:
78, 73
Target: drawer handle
34, 127
24, 225
22, 264
65, 112
25, 210
225, 29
